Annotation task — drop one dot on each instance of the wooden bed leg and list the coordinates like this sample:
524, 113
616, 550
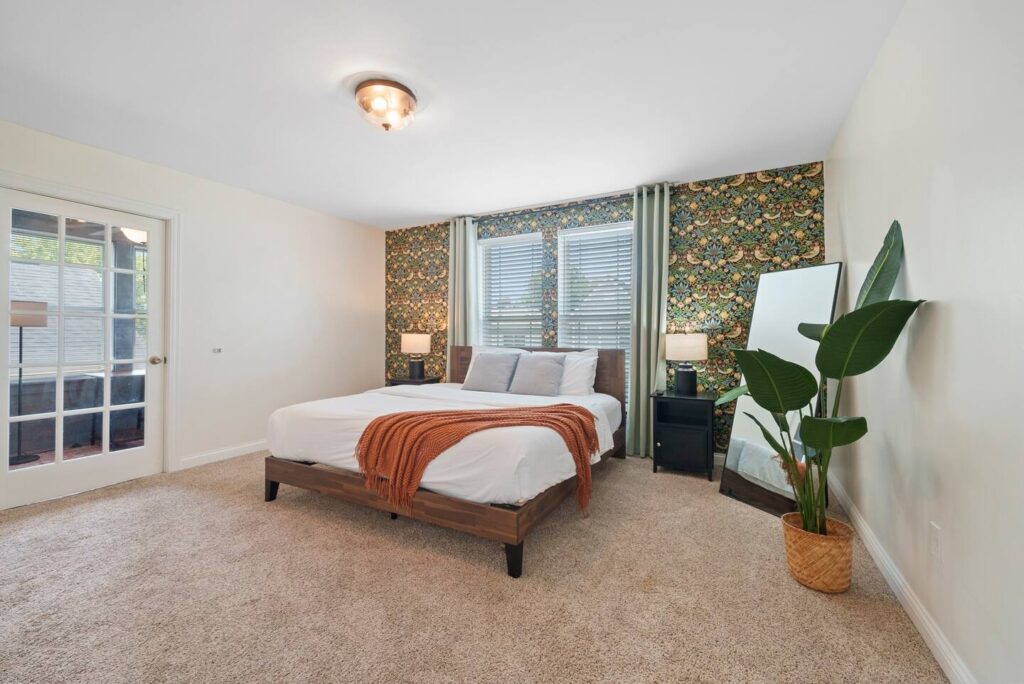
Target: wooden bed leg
394, 516
514, 559
270, 490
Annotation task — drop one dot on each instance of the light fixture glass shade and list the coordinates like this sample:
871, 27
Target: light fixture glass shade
415, 343
686, 347
28, 314
386, 104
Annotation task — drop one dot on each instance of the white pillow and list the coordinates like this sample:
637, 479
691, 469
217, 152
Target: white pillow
491, 350
579, 373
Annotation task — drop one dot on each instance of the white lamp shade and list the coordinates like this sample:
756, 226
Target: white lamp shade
415, 343
686, 347
28, 314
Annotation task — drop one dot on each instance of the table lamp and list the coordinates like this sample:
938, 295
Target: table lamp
686, 347
415, 345
24, 315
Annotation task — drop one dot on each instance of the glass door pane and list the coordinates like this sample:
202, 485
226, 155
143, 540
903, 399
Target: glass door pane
78, 331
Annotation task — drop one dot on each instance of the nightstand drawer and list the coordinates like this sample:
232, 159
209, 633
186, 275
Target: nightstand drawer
681, 448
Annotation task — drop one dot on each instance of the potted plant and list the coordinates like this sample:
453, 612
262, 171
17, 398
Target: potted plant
819, 549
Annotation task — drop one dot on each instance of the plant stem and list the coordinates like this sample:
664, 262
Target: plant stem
810, 506
823, 483
793, 473
825, 457
839, 395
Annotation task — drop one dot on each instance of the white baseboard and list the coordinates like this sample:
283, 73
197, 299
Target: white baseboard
219, 455
949, 660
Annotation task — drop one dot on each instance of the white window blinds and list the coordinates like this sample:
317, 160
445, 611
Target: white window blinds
510, 307
594, 271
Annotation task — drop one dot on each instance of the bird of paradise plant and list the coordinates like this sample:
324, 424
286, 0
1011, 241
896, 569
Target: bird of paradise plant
854, 344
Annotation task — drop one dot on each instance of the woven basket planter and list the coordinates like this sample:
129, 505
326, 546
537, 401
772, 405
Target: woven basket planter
819, 561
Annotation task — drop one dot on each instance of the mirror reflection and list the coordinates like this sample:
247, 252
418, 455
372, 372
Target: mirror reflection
752, 471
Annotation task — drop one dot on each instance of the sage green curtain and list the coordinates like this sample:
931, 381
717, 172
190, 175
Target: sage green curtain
650, 288
462, 285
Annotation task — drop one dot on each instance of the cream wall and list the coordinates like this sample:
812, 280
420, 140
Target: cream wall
295, 298
936, 139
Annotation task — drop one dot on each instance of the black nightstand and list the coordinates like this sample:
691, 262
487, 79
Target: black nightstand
684, 433
409, 381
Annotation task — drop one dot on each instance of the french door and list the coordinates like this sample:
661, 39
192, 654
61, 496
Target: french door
83, 288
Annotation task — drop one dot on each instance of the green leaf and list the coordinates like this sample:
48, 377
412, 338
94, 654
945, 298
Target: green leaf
813, 331
861, 339
732, 395
827, 433
779, 449
776, 384
881, 277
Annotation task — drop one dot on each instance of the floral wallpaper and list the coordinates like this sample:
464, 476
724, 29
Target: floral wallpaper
724, 233
416, 291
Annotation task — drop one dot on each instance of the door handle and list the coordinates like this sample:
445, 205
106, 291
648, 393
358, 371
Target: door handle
156, 360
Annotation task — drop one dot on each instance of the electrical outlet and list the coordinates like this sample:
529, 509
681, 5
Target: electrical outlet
934, 542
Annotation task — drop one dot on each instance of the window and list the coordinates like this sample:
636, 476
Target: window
510, 307
595, 267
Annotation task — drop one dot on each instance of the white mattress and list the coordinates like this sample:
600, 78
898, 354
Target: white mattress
506, 465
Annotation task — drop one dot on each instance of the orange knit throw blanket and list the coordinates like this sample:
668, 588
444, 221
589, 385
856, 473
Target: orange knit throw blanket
395, 449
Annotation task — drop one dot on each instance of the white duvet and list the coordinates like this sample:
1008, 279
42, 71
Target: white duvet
507, 465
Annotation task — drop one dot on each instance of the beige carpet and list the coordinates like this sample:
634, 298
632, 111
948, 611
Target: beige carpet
190, 577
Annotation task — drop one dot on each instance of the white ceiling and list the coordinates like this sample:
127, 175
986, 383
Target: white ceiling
524, 102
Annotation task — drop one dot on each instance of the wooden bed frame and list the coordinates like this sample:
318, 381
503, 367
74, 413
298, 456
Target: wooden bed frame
502, 523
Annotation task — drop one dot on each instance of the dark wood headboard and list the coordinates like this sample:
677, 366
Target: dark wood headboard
611, 368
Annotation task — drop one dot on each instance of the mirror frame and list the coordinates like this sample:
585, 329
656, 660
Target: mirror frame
733, 484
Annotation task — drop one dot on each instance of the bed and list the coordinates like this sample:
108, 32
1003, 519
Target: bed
496, 484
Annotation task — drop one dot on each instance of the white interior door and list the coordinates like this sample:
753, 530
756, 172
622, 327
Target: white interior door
84, 293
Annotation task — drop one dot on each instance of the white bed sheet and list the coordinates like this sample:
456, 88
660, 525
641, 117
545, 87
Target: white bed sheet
507, 465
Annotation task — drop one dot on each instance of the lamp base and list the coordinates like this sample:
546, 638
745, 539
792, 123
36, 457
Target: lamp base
686, 380
21, 459
416, 369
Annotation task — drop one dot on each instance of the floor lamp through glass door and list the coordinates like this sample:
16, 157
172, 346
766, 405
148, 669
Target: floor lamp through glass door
24, 315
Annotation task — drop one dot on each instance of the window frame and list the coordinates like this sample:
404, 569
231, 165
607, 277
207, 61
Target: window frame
621, 226
625, 227
482, 245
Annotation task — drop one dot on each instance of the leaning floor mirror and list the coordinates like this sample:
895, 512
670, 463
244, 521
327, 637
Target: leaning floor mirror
785, 299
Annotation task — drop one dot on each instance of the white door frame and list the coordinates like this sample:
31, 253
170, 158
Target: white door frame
173, 221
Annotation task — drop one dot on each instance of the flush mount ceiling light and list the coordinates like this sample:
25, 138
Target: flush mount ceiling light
387, 104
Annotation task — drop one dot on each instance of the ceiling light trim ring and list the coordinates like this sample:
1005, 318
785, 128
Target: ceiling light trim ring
385, 103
